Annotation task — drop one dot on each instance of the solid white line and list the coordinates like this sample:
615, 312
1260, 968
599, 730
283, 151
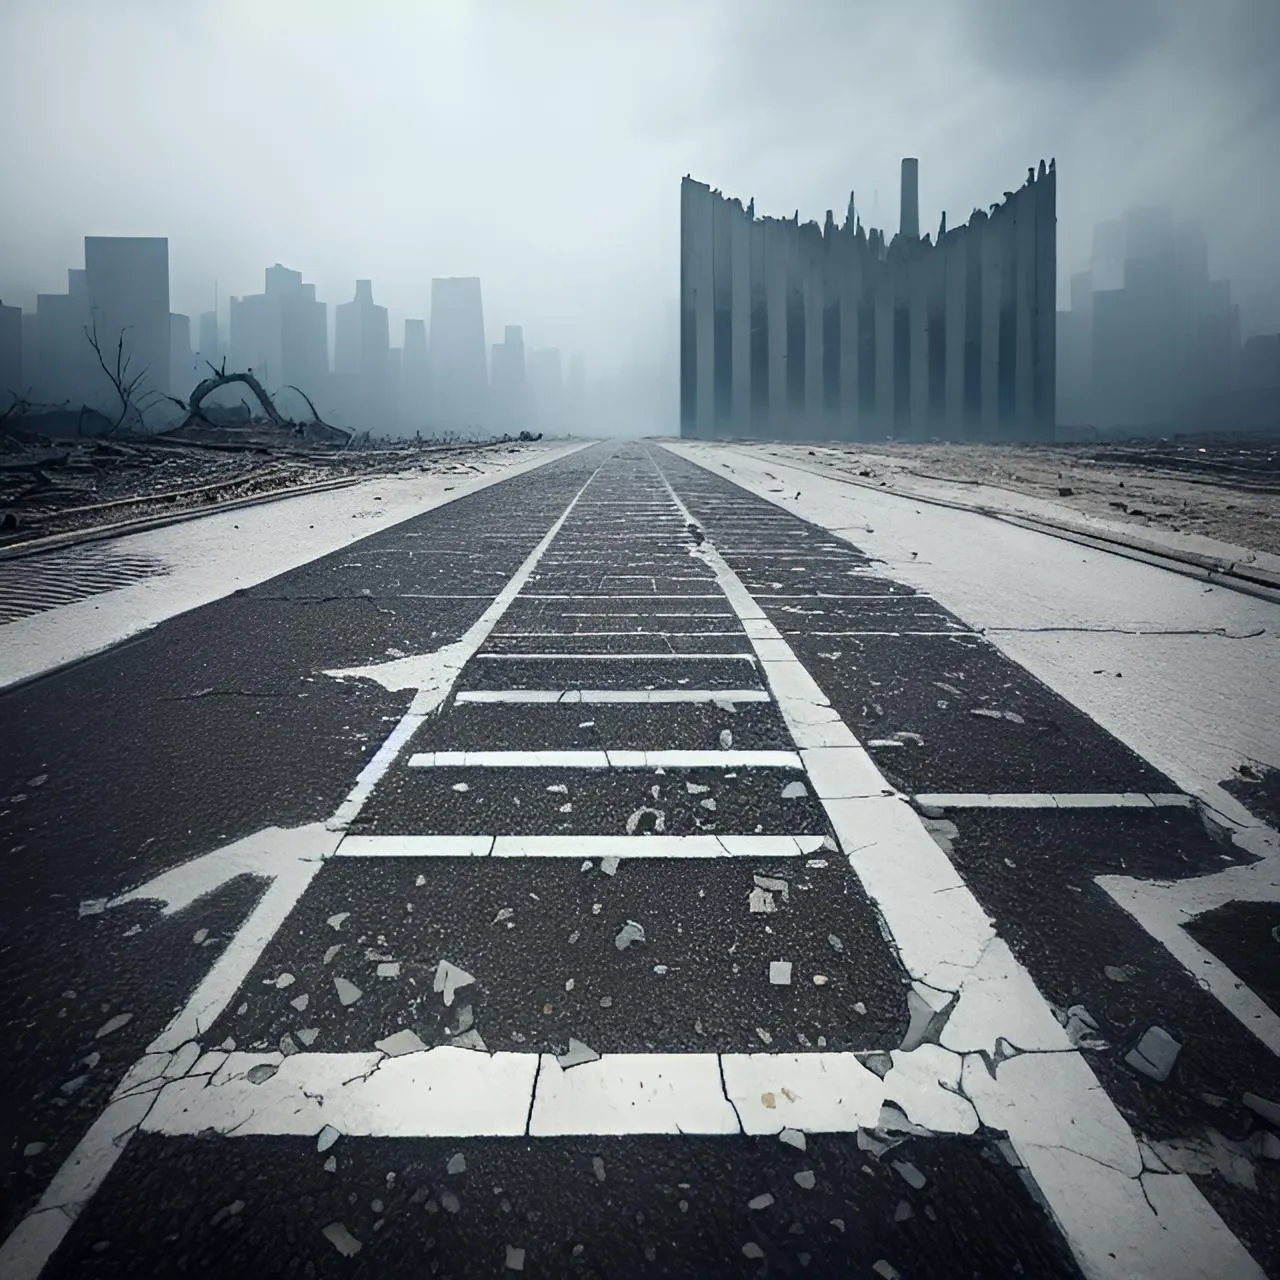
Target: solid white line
1056, 800
609, 595
1074, 1142
612, 695
606, 760
617, 635
622, 657
580, 847
450, 1092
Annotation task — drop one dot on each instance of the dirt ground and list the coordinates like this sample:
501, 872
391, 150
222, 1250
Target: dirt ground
1226, 489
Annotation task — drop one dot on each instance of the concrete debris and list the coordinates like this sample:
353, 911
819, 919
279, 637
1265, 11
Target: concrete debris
335, 922
806, 1179
1120, 972
794, 1138
399, 1043
199, 936
794, 791
780, 973
113, 1024
761, 903
886, 1270
515, 1258
921, 1016
606, 1002
448, 979
709, 804
1006, 1149
760, 1202
461, 787
752, 1250
1264, 1107
93, 906
765, 1037
569, 984
466, 1020
227, 1211
696, 788
1212, 1154
878, 1061
609, 865
1081, 1027
910, 1174
300, 1002
450, 1202
331, 1165
505, 913
657, 827
902, 1211
348, 992
287, 1045
597, 1166
835, 942
820, 979
308, 1035
336, 1234
470, 1040
284, 980
578, 1053
261, 1073
726, 739
33, 1149
420, 881
326, 1138
773, 884
389, 969
1155, 1054
331, 952
457, 1163
629, 933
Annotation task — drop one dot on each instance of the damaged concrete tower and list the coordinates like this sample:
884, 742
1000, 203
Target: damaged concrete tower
792, 331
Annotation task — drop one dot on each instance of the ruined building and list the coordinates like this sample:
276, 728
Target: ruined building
802, 332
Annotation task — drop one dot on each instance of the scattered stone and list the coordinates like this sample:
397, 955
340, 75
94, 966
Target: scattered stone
794, 1138
336, 1234
335, 922
764, 1035
577, 1054
1081, 1027
389, 969
752, 1250
261, 1073
470, 1040
597, 1165
287, 1046
1155, 1054
515, 1258
835, 942
820, 979
726, 739
629, 933
780, 973
331, 952
399, 1043
326, 1138
886, 1270
448, 979
33, 1149
1120, 972
457, 1163
902, 1211
199, 936
348, 992
300, 1002
113, 1024
93, 906
420, 881
308, 1035
609, 865
760, 903
450, 1202
858, 1007
794, 791
760, 1202
806, 1179
1264, 1107
331, 1165
920, 1014
504, 913
606, 1002
227, 1211
910, 1174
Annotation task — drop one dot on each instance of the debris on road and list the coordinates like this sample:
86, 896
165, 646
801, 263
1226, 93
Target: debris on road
629, 933
448, 979
1155, 1054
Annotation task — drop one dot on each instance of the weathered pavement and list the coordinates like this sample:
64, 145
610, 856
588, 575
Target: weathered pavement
611, 874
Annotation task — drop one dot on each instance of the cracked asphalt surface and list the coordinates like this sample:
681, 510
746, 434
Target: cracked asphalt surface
223, 722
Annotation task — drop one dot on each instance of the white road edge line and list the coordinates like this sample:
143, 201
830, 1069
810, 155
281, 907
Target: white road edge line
606, 760
605, 696
1054, 800
581, 847
289, 860
1120, 1220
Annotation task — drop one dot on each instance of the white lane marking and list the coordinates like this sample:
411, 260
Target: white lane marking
1054, 800
1059, 1119
619, 657
616, 635
450, 1092
829, 635
606, 760
1165, 908
612, 695
580, 847
610, 595
290, 859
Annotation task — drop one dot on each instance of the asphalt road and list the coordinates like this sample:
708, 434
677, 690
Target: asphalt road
608, 874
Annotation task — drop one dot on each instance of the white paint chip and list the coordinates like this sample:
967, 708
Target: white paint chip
780, 973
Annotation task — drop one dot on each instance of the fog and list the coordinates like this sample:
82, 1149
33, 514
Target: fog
540, 146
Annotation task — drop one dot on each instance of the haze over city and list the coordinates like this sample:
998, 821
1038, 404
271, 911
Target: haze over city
540, 148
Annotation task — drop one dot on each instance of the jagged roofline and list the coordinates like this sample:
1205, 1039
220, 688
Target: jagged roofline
1034, 173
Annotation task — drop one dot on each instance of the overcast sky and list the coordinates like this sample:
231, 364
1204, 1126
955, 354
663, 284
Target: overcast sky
539, 144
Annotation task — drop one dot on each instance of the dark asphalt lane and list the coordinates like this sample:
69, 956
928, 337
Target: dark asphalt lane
210, 727
651, 1206
277, 742
538, 935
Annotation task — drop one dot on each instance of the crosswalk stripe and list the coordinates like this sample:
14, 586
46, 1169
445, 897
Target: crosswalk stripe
582, 847
607, 759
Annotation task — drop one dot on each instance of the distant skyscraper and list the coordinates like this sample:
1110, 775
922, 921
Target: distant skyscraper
128, 285
282, 333
11, 387
68, 371
413, 375
209, 343
362, 363
457, 359
510, 397
182, 374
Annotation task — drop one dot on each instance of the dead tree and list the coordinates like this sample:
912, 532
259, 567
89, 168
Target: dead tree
131, 388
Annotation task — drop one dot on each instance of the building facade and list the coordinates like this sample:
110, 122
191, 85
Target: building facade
802, 332
127, 280
458, 360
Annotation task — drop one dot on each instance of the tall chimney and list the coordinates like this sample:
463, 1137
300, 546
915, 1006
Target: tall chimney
909, 222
